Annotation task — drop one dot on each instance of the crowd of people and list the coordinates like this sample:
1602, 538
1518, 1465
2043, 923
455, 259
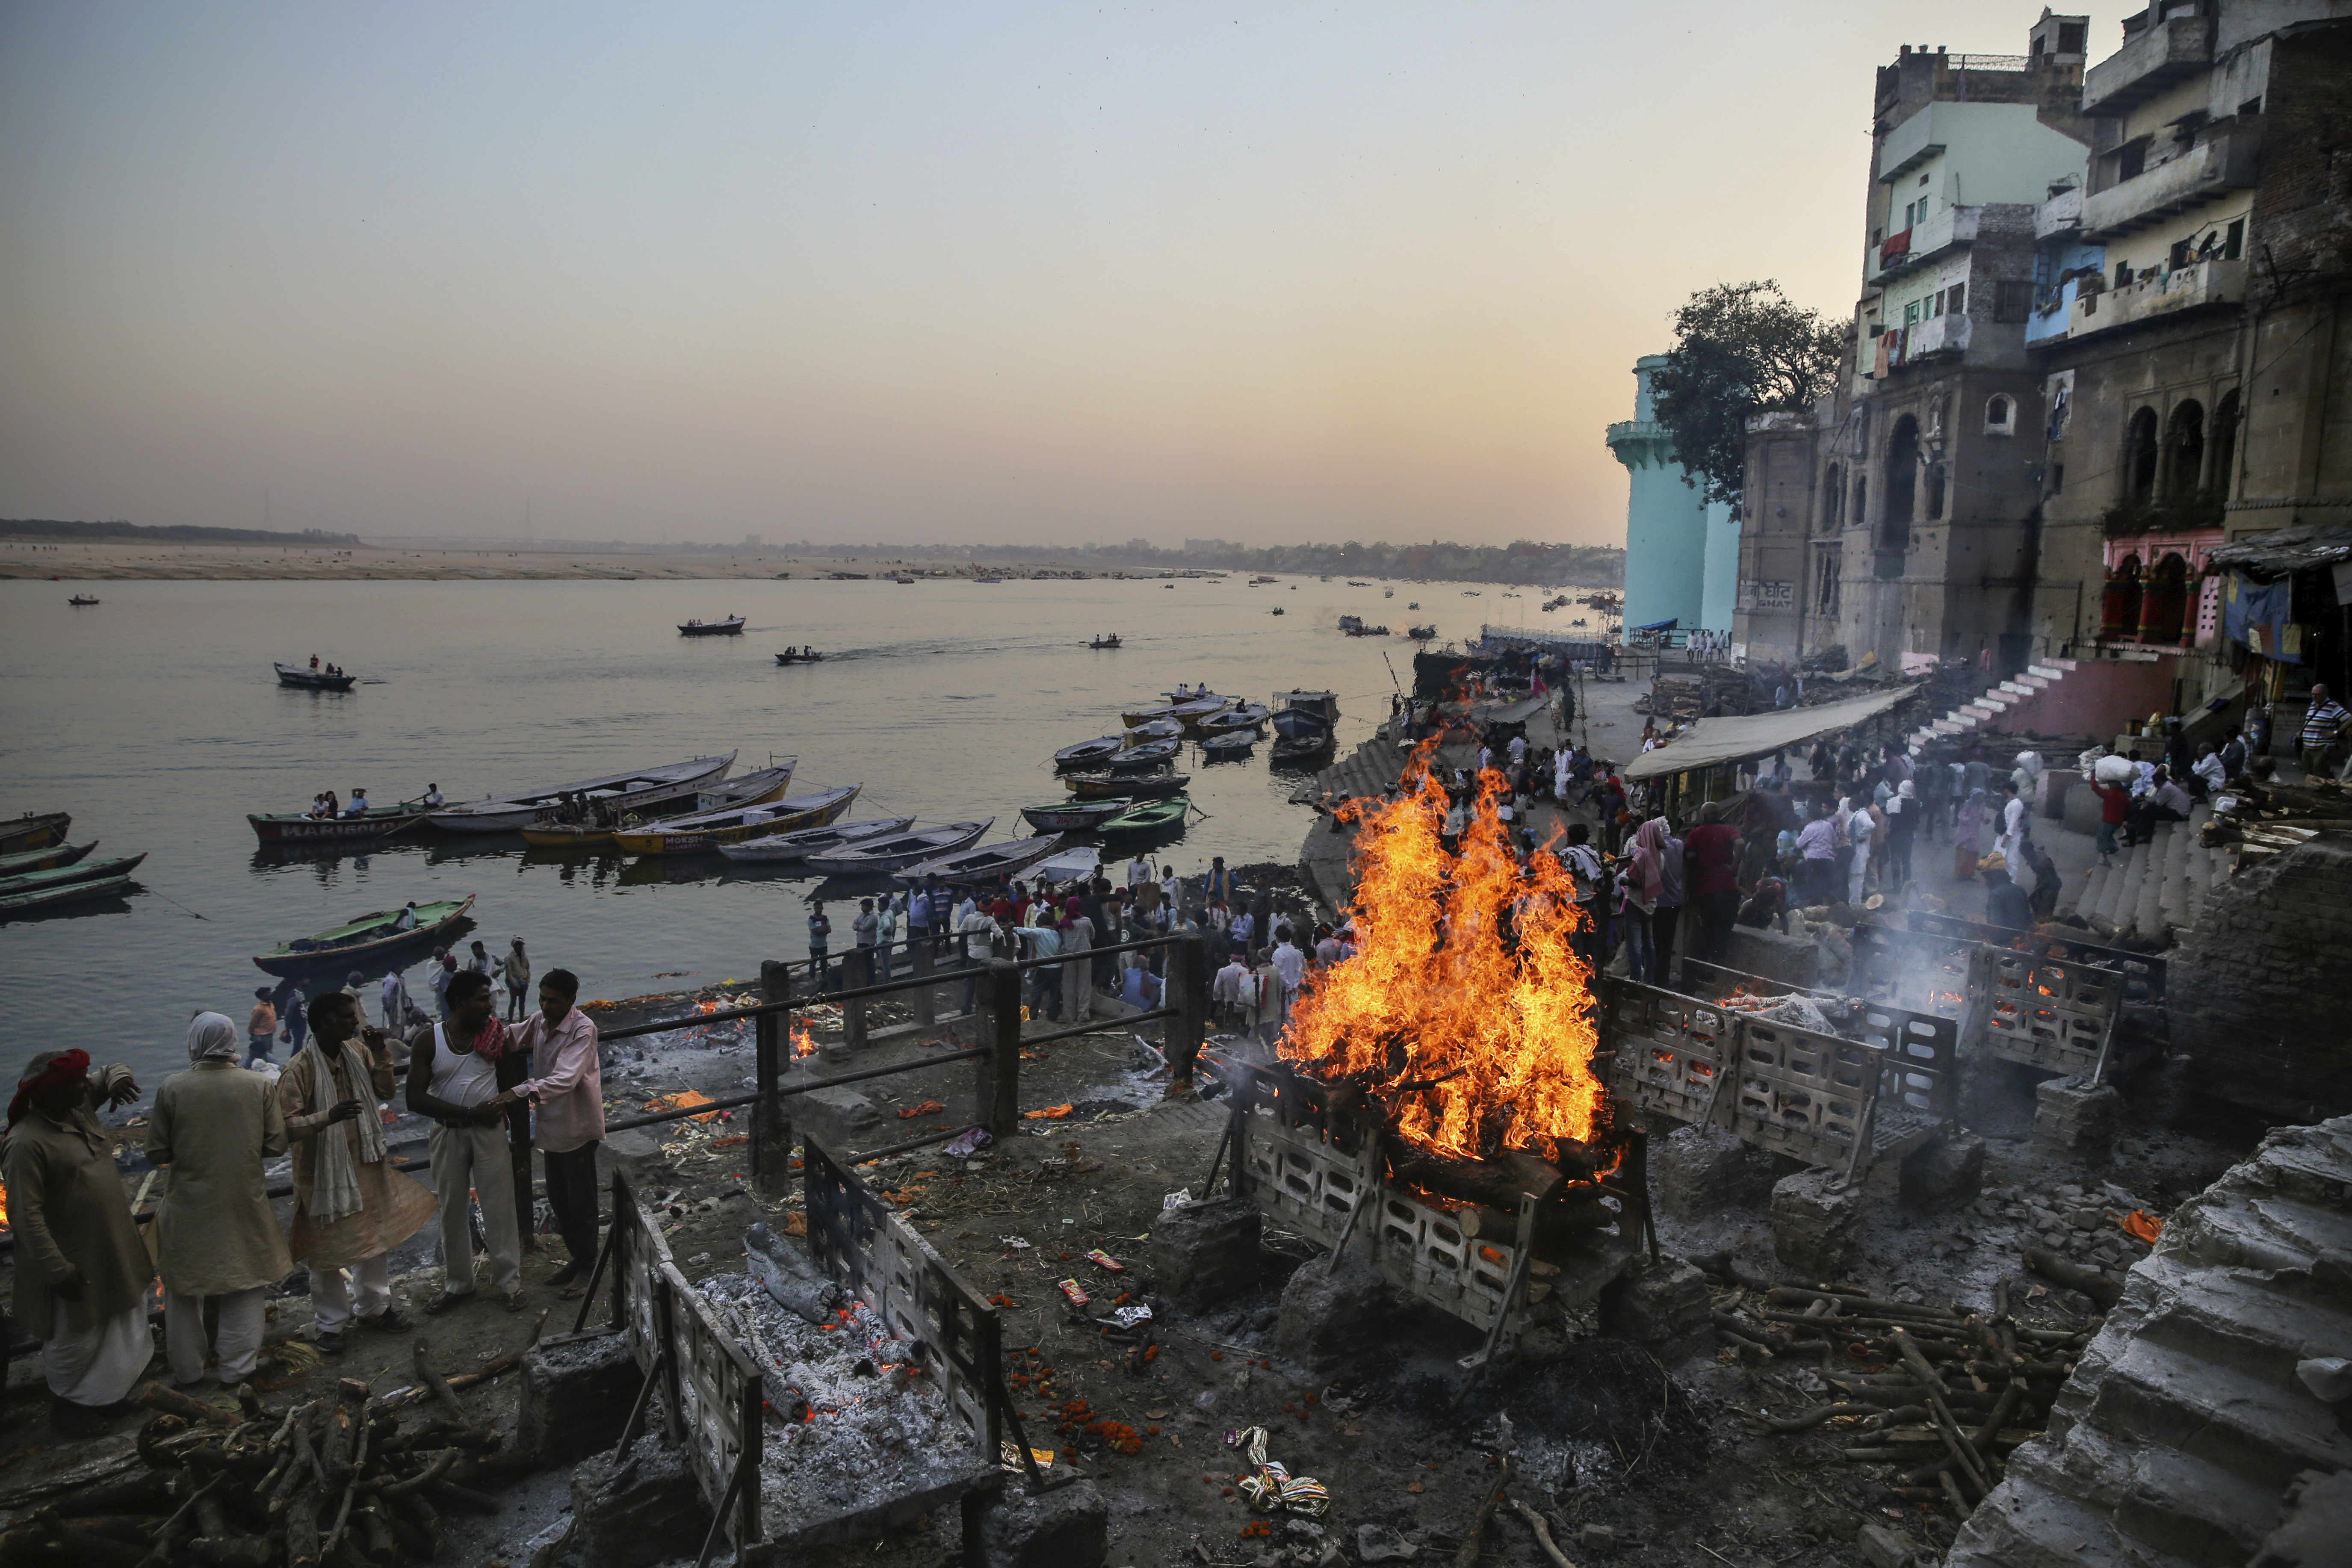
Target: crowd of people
492, 1092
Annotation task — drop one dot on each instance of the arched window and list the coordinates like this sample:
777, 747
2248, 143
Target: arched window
1861, 510
2000, 415
1833, 498
1902, 486
2119, 605
2220, 472
2165, 610
2140, 456
2184, 445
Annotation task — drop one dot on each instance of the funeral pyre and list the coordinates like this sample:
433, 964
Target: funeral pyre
1463, 1030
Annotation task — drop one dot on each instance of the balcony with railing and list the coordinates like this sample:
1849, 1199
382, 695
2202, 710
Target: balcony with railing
2150, 60
1921, 243
2226, 160
2060, 213
2213, 282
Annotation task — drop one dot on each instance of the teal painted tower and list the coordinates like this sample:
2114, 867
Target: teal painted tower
1682, 556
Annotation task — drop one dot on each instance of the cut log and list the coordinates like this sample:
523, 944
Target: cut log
419, 1356
789, 1275
2101, 1289
302, 1527
172, 1401
1540, 1179
1489, 1182
150, 1491
1556, 1223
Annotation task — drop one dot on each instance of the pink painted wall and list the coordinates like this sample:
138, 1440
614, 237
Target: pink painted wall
2099, 698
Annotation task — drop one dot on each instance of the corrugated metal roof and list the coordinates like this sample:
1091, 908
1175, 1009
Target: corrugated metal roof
2265, 557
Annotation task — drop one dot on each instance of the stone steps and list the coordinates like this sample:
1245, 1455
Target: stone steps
2183, 1424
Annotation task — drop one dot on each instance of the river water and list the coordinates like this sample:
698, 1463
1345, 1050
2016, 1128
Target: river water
154, 718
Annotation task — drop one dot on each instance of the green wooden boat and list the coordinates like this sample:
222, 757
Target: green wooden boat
58, 876
37, 899
41, 859
363, 937
1150, 816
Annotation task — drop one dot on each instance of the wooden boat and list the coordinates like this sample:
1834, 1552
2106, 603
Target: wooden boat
1278, 609
82, 600
987, 862
34, 832
616, 792
1424, 633
1294, 708
1303, 747
1148, 817
312, 679
784, 849
1157, 730
800, 659
43, 860
370, 934
1186, 711
1110, 641
732, 626
1141, 759
58, 876
748, 789
1230, 747
299, 828
1073, 816
709, 830
1245, 719
1136, 789
69, 893
1086, 753
879, 857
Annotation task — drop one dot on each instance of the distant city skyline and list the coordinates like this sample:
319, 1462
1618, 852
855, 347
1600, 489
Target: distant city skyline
1040, 274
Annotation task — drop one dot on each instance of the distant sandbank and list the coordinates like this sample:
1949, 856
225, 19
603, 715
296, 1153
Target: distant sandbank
100, 561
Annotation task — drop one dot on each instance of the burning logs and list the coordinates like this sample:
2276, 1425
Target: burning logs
1941, 1393
338, 1479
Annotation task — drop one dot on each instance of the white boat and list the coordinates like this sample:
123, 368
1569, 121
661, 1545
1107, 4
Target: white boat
880, 856
785, 849
617, 792
986, 862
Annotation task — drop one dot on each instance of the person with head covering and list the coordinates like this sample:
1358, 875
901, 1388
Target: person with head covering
1645, 885
216, 1235
82, 1271
351, 1207
1078, 973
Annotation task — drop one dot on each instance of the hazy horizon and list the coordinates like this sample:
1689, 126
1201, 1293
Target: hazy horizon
1044, 275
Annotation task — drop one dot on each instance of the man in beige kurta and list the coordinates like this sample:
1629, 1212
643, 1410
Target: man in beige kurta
388, 1206
213, 1126
82, 1272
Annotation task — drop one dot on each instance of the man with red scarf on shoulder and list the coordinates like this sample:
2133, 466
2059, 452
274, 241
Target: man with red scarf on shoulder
457, 1071
82, 1271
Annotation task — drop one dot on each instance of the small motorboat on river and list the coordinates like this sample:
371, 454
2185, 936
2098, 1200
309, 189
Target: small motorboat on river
301, 827
880, 856
364, 938
312, 679
615, 792
732, 626
786, 849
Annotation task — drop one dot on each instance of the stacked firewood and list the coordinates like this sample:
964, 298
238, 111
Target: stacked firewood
1714, 688
2267, 819
347, 1479
1940, 1394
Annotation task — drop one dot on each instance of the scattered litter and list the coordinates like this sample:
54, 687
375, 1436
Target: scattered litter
1051, 1112
968, 1143
681, 1100
1102, 1260
1127, 1317
1175, 1200
2141, 1225
1271, 1487
1008, 1454
1074, 1293
929, 1108
1017, 1243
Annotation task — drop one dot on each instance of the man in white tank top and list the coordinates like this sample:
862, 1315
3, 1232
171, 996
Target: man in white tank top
454, 1070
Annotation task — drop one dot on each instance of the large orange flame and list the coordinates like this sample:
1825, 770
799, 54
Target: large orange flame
1435, 992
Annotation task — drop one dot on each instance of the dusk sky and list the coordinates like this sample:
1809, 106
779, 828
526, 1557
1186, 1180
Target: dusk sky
918, 273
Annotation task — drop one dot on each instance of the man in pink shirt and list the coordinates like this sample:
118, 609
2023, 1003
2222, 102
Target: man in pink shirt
566, 1093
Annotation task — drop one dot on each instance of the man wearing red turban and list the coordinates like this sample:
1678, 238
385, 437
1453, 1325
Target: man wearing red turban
82, 1272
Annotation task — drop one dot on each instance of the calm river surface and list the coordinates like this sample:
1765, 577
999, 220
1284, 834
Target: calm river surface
154, 718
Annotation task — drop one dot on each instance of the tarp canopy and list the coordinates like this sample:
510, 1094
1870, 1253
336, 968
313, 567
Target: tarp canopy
1713, 740
1518, 712
1669, 624
2284, 550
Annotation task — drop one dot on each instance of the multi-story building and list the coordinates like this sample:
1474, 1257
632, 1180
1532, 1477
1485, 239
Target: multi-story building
2191, 340
1897, 517
1681, 551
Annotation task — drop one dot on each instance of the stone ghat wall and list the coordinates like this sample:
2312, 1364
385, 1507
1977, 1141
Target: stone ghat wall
2210, 1411
2256, 992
